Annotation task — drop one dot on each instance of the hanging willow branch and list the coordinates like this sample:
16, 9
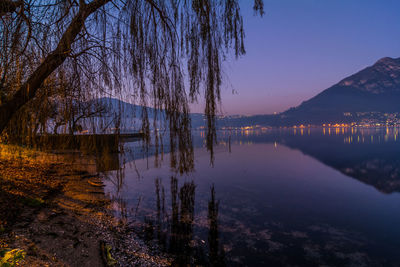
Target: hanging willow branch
142, 51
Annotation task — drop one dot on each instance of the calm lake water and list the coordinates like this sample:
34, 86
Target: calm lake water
294, 197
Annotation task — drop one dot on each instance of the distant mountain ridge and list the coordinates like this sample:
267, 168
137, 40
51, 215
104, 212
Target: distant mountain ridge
131, 115
373, 89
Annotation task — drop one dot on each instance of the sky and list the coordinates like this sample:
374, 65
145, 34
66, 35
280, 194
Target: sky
301, 47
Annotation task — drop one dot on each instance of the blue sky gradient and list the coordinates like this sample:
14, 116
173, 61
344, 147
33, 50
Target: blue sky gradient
301, 47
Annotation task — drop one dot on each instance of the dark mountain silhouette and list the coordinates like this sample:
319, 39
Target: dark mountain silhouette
371, 91
375, 89
131, 114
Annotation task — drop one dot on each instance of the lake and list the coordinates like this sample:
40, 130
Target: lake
275, 197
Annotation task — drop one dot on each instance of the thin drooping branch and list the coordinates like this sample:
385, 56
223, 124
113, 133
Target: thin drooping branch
28, 90
55, 54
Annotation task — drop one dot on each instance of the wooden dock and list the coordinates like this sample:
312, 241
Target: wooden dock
86, 142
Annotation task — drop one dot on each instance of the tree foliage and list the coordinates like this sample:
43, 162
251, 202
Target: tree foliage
142, 50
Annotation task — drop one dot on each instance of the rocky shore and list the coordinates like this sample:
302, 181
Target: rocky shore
53, 212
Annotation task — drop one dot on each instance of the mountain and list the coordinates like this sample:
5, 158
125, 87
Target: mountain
372, 94
129, 115
373, 90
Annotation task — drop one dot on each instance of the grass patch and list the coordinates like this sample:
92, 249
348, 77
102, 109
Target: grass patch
10, 258
106, 254
110, 260
14, 151
25, 154
33, 202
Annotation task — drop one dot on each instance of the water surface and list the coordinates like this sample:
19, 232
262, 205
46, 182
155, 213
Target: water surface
292, 197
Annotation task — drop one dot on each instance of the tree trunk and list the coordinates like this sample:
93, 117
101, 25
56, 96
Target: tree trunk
28, 90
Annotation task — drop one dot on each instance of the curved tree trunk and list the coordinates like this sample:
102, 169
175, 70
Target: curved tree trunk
28, 90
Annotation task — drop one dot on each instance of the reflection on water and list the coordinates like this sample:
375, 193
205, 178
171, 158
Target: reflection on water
273, 197
173, 228
216, 251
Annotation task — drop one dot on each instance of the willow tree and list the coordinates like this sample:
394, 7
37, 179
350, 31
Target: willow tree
143, 49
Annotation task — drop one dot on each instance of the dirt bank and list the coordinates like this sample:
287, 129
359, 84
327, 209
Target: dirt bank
56, 214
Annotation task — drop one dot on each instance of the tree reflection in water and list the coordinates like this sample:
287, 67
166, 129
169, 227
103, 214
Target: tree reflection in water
216, 253
263, 231
174, 231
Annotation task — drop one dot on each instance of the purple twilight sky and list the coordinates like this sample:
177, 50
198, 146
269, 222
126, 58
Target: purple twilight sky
301, 47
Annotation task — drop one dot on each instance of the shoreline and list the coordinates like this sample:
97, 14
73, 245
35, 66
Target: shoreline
58, 215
